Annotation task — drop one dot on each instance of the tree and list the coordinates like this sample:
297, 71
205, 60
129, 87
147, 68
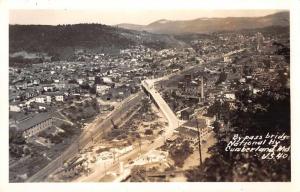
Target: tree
67, 128
148, 132
16, 136
180, 154
222, 78
93, 90
138, 174
216, 126
72, 81
249, 120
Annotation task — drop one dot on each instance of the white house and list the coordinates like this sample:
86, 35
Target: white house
80, 81
43, 99
230, 96
48, 88
14, 107
59, 98
91, 78
40, 99
101, 89
107, 80
255, 90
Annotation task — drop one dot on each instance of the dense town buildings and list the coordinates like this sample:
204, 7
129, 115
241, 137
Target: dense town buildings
51, 100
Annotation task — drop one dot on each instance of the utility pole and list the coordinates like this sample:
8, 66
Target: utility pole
199, 142
61, 162
105, 168
140, 146
202, 88
90, 135
78, 145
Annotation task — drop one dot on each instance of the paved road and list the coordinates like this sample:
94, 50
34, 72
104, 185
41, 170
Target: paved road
173, 123
93, 131
98, 127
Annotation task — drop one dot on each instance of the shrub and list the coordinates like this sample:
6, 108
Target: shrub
148, 132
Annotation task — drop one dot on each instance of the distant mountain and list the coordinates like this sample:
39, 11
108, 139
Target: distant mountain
207, 25
62, 40
131, 26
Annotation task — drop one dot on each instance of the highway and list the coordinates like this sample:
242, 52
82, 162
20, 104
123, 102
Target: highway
99, 127
92, 132
173, 123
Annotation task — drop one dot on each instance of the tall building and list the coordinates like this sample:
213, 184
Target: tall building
259, 38
202, 88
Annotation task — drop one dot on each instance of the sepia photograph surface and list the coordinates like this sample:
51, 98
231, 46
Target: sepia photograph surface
196, 95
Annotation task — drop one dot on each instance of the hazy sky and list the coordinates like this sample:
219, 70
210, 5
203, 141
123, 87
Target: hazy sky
111, 17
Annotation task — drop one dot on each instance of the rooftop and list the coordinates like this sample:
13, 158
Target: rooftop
30, 121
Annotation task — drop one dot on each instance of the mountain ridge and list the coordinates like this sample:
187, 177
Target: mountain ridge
208, 25
62, 40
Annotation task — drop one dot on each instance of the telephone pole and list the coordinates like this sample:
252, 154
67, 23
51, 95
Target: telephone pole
78, 145
105, 171
202, 88
140, 146
199, 142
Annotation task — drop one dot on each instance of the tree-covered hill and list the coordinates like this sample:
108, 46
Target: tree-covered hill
57, 39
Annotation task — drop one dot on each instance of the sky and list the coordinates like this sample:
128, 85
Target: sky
117, 16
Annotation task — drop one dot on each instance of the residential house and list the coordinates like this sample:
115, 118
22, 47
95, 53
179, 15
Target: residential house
102, 89
15, 106
43, 99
